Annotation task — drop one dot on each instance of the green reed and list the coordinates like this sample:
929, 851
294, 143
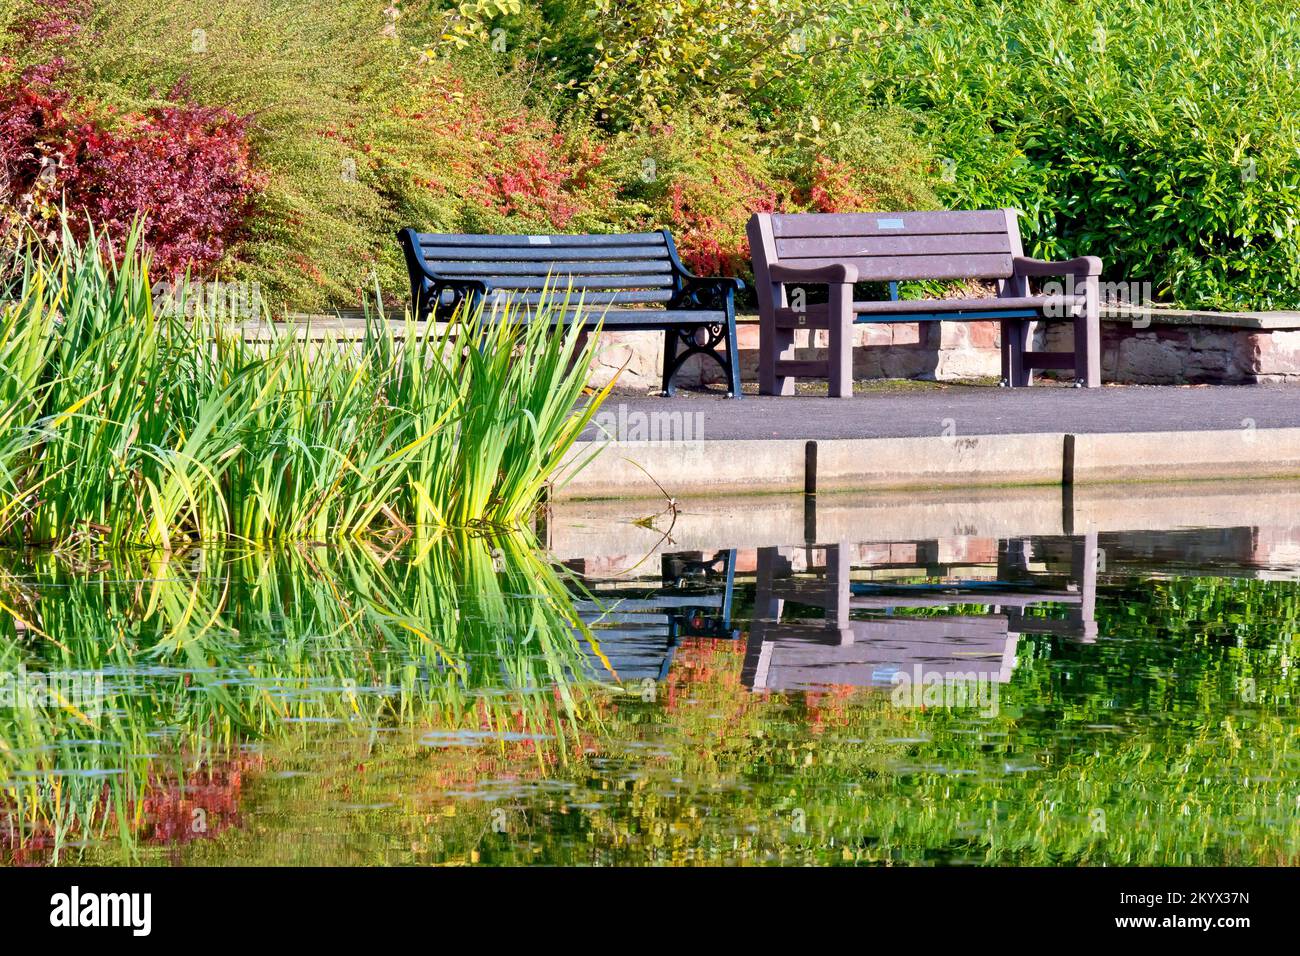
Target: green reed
123, 424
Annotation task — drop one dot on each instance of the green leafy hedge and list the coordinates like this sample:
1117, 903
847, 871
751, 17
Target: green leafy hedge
1163, 135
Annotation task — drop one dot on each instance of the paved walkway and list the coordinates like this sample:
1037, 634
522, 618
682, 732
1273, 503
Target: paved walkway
973, 410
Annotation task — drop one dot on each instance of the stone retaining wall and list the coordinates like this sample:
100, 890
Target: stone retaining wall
1175, 349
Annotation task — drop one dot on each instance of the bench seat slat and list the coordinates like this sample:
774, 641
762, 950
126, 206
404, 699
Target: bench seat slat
493, 254
428, 239
1066, 305
586, 267
630, 319
560, 283
558, 296
895, 269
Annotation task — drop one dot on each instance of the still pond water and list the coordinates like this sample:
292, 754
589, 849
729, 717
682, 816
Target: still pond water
1120, 698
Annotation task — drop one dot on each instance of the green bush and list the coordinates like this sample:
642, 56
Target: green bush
318, 86
1160, 134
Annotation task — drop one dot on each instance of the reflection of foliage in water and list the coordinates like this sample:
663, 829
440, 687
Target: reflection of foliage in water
1149, 747
205, 652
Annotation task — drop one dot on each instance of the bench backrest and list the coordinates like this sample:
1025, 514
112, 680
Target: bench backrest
638, 268
891, 246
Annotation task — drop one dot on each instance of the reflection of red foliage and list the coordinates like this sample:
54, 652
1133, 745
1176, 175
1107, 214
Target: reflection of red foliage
172, 811
196, 807
829, 707
705, 663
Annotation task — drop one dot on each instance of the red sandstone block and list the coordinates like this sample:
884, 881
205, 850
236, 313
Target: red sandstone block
906, 333
984, 335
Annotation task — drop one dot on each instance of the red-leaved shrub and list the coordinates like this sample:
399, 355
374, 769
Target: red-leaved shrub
184, 169
515, 165
52, 19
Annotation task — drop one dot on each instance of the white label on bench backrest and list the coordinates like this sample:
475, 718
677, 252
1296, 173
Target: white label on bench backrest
889, 224
539, 240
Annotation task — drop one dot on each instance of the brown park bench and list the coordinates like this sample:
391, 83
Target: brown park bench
836, 250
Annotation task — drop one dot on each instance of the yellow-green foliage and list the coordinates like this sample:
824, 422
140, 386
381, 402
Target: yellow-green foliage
482, 117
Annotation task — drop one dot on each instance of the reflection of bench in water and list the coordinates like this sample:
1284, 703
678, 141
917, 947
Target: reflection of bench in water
638, 624
838, 650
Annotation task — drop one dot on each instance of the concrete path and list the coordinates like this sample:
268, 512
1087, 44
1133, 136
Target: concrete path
972, 410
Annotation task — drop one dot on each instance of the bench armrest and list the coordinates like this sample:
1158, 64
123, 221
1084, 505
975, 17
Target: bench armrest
430, 301
1080, 268
835, 273
700, 292
455, 283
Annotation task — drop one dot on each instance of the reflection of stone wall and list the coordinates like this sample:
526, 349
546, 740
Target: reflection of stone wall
947, 351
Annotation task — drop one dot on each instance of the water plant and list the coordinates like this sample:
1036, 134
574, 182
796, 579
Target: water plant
125, 423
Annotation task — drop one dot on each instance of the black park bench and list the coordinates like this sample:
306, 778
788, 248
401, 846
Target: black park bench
835, 250
628, 282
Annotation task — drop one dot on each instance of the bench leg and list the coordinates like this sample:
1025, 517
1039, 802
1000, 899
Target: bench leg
773, 345
733, 359
1087, 337
840, 357
714, 335
670, 361
1015, 342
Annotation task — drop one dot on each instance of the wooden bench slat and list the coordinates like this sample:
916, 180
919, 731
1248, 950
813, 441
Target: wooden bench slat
1052, 360
857, 247
492, 254
558, 296
802, 368
561, 283
543, 241
813, 317
956, 222
895, 269
586, 267
1066, 304
647, 318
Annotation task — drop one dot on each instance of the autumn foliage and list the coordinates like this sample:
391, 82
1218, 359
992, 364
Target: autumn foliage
185, 169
